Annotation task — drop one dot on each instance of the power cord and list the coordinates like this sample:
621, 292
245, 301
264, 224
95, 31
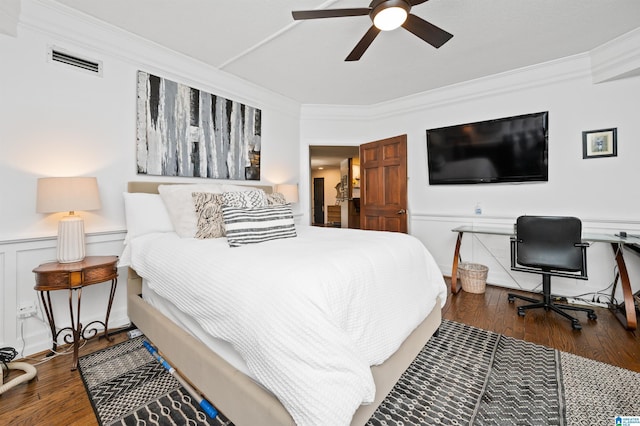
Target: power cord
7, 354
24, 344
597, 294
52, 353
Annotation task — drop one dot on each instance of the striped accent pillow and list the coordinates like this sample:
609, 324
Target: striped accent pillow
249, 226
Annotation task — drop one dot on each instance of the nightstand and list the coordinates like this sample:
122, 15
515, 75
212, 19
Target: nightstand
73, 277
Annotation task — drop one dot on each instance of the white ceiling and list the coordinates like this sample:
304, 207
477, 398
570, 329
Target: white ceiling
329, 157
259, 41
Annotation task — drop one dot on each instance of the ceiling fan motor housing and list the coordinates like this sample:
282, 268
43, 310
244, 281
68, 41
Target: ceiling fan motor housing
378, 6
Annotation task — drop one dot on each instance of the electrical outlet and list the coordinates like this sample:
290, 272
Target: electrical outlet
27, 311
134, 333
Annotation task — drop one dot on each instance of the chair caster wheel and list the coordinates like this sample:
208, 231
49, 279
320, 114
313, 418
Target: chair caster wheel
592, 316
576, 326
521, 312
511, 299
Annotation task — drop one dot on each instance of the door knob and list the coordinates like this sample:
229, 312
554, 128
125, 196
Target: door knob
402, 211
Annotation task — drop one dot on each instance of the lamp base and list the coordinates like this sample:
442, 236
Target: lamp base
70, 239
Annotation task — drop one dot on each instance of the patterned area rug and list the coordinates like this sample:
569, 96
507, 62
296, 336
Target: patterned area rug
463, 376
127, 386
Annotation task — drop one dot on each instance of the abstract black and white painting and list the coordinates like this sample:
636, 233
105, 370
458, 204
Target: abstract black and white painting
182, 131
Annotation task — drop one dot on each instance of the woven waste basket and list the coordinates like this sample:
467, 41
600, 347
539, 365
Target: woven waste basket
473, 277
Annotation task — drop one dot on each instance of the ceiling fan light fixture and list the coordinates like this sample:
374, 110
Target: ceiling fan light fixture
390, 18
390, 14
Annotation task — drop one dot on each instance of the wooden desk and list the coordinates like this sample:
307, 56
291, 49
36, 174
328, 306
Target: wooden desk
73, 277
624, 311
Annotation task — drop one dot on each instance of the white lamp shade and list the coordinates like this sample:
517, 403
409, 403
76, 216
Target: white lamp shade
290, 192
66, 194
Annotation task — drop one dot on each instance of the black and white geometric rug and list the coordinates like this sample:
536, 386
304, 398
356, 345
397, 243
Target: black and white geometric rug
127, 386
463, 376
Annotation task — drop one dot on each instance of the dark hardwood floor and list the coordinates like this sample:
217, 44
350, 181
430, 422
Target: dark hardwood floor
604, 340
57, 396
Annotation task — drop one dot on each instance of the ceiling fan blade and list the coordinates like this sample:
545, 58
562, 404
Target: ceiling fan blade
427, 31
416, 2
329, 13
363, 44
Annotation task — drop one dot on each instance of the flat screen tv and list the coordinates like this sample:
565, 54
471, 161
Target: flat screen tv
512, 149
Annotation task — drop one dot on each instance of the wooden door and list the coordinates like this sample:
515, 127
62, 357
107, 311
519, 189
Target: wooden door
383, 185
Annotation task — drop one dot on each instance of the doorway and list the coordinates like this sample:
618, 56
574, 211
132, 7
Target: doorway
325, 163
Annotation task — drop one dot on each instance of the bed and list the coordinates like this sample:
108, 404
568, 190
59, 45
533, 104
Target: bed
240, 395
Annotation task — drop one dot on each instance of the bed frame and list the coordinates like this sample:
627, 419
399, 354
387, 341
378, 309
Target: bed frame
240, 398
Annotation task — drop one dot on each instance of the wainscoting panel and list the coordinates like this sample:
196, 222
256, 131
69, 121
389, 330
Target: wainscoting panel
18, 258
3, 297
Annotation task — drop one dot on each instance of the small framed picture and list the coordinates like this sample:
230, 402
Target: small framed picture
600, 143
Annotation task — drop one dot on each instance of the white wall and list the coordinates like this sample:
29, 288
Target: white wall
60, 121
600, 191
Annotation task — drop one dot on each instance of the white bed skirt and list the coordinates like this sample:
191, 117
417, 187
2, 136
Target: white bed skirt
184, 321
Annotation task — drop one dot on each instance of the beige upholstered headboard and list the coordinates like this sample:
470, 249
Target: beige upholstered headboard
152, 187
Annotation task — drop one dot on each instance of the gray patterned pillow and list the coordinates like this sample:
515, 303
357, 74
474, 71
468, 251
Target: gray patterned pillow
245, 199
276, 199
208, 208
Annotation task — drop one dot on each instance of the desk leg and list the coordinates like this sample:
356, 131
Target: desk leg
628, 318
455, 286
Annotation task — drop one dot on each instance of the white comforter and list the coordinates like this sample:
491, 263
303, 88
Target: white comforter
309, 315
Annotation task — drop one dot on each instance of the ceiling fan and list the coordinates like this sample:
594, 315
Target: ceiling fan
386, 15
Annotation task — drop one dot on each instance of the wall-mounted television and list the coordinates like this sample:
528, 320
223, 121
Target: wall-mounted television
512, 149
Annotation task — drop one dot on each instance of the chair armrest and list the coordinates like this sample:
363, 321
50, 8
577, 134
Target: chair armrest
583, 245
512, 250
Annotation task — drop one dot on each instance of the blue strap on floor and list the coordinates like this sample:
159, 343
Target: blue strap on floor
204, 404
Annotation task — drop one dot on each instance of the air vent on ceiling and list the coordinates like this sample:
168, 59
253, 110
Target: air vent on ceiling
60, 56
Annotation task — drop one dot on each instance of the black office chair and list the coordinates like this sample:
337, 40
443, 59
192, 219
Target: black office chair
551, 246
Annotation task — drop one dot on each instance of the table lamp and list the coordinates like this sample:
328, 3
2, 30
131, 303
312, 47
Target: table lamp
68, 194
290, 192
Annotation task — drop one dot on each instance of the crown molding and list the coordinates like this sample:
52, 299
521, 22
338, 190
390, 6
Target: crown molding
9, 17
526, 78
76, 29
619, 58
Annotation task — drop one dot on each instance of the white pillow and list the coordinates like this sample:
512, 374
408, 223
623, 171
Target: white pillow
145, 213
179, 203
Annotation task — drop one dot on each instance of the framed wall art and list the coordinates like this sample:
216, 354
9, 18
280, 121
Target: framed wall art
600, 143
182, 131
